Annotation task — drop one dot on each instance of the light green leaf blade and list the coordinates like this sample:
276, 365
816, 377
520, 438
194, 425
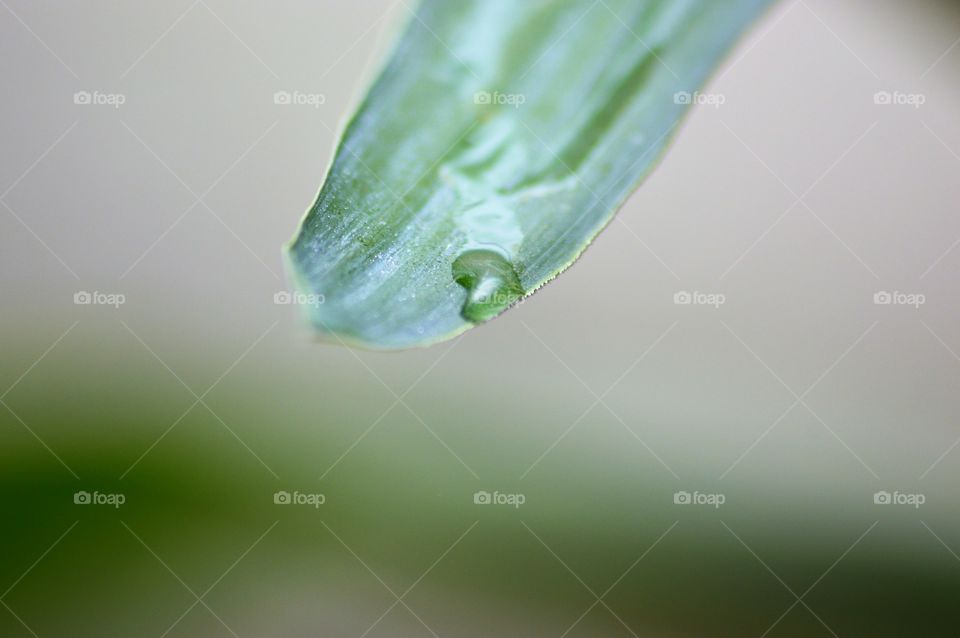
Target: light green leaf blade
498, 140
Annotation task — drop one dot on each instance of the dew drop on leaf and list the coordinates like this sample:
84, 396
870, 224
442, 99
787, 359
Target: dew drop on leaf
491, 283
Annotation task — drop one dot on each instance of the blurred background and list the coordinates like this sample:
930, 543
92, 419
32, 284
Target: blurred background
179, 457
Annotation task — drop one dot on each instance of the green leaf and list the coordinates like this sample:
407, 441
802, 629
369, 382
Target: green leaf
498, 140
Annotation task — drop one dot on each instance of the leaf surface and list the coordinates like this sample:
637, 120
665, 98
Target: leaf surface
500, 137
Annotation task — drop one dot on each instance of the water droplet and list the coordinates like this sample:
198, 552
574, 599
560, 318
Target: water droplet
491, 282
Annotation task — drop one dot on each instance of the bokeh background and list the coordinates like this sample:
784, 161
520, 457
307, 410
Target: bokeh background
198, 398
